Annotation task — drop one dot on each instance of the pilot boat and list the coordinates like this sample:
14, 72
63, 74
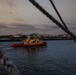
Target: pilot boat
30, 42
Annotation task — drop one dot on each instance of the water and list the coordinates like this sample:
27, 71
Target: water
58, 58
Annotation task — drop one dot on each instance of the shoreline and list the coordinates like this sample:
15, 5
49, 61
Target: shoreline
43, 39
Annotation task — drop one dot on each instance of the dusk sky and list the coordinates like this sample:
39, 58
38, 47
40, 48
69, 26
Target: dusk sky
20, 16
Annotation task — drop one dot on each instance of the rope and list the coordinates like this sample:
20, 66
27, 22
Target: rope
10, 67
53, 19
58, 14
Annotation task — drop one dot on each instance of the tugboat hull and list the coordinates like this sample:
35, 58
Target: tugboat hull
28, 45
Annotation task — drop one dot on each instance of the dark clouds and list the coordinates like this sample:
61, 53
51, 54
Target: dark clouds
23, 28
72, 28
48, 27
15, 28
19, 25
3, 26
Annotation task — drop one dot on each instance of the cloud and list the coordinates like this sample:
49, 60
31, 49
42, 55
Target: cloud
15, 28
23, 26
3, 26
72, 26
55, 29
10, 12
10, 3
48, 27
6, 13
18, 19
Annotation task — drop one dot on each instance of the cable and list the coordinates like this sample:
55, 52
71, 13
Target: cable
51, 1
53, 19
58, 14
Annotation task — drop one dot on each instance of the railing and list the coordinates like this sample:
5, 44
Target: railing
8, 64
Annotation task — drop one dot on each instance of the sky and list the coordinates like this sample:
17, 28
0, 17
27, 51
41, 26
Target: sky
21, 17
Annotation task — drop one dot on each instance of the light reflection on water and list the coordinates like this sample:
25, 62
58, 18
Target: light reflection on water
32, 53
58, 58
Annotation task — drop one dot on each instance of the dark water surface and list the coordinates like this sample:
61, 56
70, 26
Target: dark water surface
58, 58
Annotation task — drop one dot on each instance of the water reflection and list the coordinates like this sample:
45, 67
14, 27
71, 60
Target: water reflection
32, 53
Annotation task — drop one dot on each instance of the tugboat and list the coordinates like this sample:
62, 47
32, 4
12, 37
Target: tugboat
28, 42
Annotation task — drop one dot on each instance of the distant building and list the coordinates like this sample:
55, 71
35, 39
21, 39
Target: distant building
18, 35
